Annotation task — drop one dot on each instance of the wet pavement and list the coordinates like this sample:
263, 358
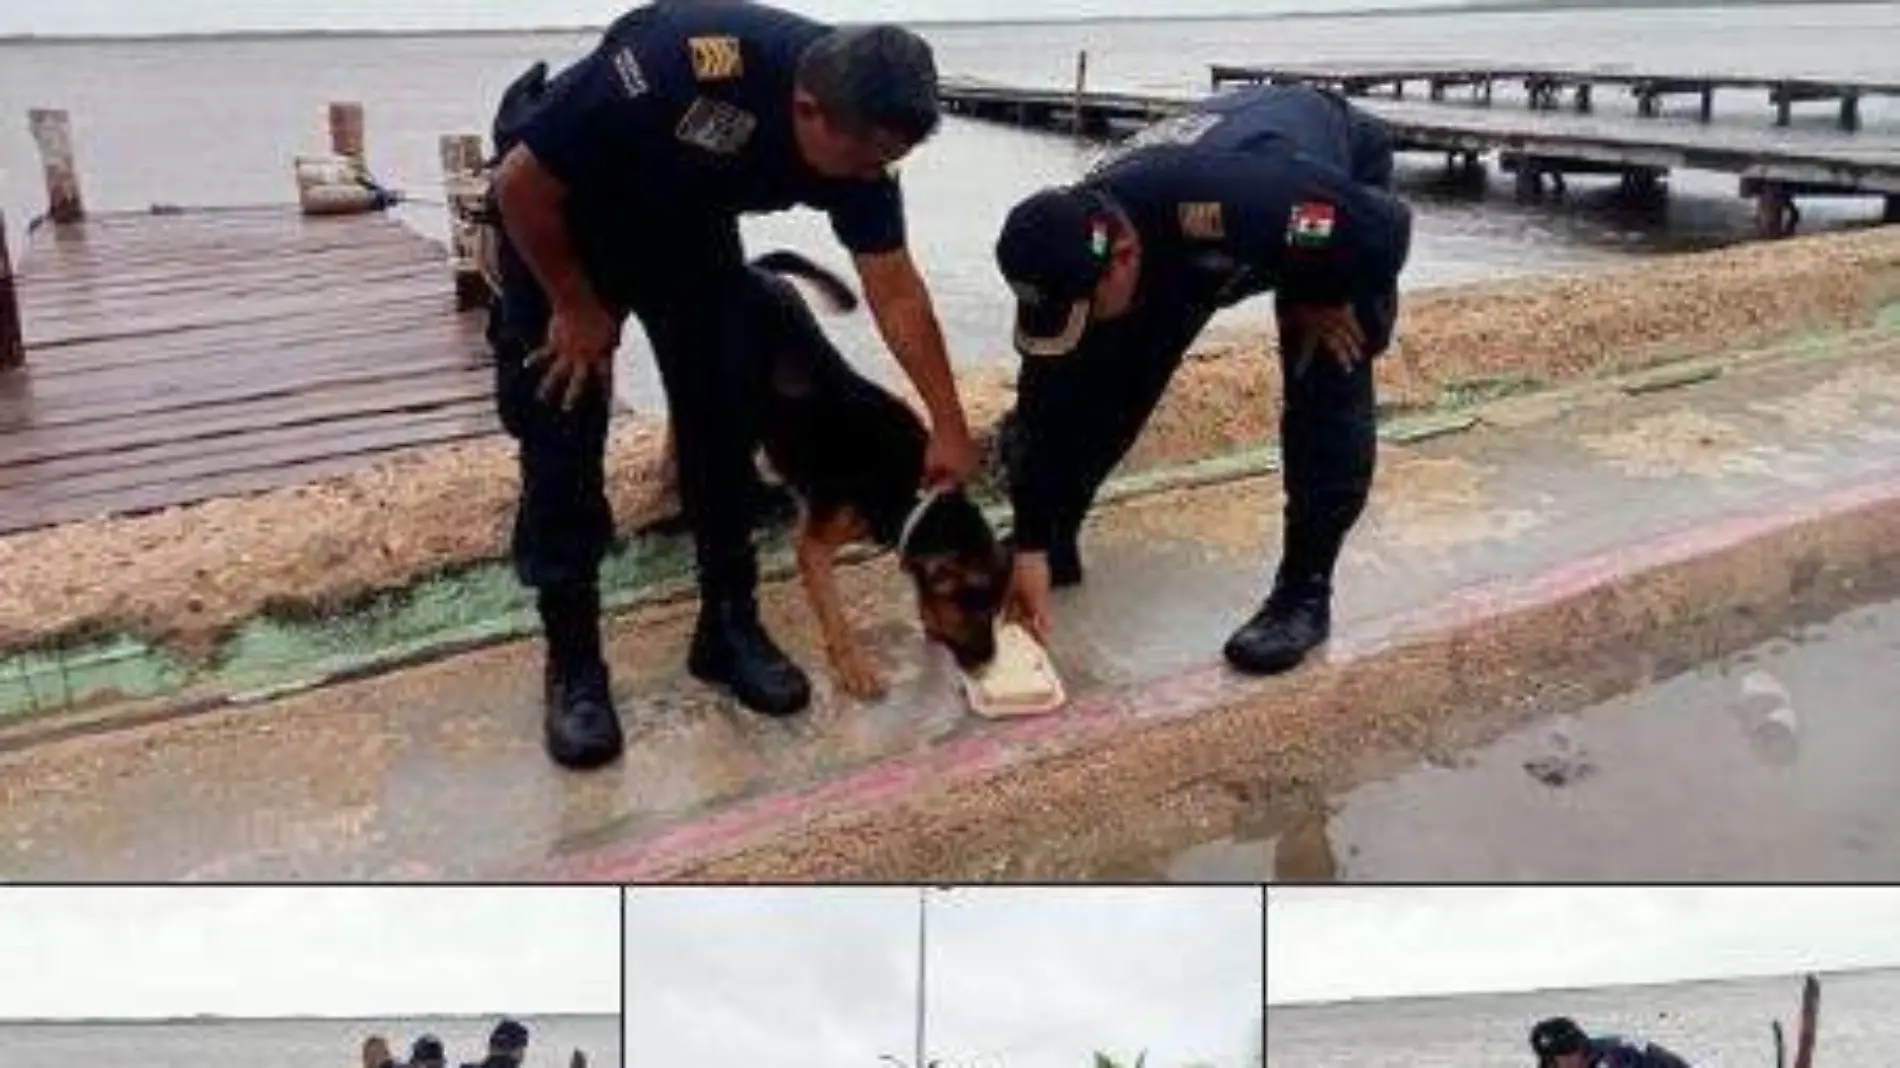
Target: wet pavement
437, 772
1775, 764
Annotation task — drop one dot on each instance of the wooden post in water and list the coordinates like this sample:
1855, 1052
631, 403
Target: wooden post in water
466, 187
1081, 88
12, 348
1810, 1022
1850, 110
53, 133
346, 132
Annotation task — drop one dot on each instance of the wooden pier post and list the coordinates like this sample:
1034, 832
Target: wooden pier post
1850, 111
346, 132
1810, 1022
465, 187
12, 348
1708, 102
1081, 88
1892, 212
53, 133
1783, 96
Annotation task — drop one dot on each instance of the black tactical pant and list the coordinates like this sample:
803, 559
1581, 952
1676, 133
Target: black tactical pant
676, 271
1328, 425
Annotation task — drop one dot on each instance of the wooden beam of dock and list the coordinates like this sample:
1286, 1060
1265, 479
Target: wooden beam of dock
175, 358
1817, 160
1542, 83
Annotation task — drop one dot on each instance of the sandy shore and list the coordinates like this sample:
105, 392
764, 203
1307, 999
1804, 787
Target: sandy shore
186, 576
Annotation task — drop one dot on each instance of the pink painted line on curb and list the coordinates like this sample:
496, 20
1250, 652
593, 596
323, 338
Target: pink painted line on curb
1171, 697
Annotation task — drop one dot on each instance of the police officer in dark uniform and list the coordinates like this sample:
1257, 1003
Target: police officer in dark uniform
619, 188
1560, 1043
1278, 188
427, 1052
507, 1046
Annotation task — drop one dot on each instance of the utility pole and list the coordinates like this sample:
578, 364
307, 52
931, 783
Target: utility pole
923, 969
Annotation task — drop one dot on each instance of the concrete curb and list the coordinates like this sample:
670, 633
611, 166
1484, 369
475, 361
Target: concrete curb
1100, 776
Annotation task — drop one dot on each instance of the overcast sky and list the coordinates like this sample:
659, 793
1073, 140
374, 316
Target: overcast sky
1335, 943
140, 953
1029, 978
191, 16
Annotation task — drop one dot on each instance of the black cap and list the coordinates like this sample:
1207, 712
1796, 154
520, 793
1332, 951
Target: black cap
1053, 251
509, 1035
427, 1048
1557, 1036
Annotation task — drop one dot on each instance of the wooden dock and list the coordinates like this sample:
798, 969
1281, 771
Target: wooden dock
1544, 87
175, 358
1773, 166
154, 359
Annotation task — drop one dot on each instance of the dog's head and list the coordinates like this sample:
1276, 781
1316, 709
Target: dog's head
961, 573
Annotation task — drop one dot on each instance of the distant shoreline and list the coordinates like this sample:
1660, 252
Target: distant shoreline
1472, 7
212, 1019
1822, 973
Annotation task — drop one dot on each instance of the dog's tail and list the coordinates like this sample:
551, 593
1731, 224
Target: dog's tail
786, 262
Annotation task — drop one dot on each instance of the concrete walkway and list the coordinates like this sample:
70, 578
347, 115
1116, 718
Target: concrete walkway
436, 771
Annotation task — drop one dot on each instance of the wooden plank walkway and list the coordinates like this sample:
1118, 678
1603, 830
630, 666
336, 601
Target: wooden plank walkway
1810, 160
1544, 85
175, 358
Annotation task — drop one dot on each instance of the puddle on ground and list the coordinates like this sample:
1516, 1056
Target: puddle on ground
1774, 764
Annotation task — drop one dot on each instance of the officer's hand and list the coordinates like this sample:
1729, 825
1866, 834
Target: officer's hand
1028, 600
950, 458
1332, 327
581, 341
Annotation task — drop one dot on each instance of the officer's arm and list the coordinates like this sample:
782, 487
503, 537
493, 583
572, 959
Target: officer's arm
1320, 235
1045, 467
868, 219
900, 302
533, 207
585, 135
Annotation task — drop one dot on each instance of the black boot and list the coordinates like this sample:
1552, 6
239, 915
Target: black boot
1293, 622
581, 727
732, 649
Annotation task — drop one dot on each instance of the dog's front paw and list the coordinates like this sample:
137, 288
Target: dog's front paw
858, 676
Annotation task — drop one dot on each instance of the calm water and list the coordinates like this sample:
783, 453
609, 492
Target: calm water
1713, 1025
292, 1043
215, 122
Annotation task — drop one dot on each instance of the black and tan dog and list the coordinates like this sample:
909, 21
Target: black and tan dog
852, 454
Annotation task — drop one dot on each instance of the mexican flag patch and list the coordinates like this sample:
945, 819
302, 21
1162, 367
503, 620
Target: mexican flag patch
1310, 225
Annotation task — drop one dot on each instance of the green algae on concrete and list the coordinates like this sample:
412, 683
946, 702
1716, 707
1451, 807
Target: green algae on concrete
55, 679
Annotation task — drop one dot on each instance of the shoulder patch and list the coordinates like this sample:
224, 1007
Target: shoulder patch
716, 126
633, 79
1310, 225
1203, 220
716, 59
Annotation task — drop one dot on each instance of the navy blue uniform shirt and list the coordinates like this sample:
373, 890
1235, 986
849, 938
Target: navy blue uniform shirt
686, 104
1615, 1051
1261, 189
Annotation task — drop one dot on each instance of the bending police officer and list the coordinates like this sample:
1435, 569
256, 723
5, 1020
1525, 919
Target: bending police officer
1279, 188
1560, 1043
